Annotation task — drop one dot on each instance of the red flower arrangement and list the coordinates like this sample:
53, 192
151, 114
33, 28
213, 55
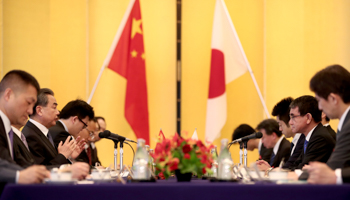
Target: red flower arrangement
186, 155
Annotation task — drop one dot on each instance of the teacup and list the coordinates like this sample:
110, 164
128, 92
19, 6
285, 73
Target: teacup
100, 174
61, 176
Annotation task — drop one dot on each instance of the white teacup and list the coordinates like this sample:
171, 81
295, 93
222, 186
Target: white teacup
61, 176
278, 175
100, 174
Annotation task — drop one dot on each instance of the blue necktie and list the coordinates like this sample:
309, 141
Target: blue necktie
272, 158
305, 144
11, 139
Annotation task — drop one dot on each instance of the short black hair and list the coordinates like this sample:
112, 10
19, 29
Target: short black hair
241, 131
307, 104
270, 126
332, 79
282, 109
42, 99
15, 79
77, 108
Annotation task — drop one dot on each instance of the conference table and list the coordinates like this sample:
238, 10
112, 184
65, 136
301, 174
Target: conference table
171, 189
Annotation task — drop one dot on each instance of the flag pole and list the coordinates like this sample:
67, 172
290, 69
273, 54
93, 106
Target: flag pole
96, 83
247, 63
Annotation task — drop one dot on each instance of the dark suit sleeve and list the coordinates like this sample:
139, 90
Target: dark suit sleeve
8, 171
40, 156
345, 173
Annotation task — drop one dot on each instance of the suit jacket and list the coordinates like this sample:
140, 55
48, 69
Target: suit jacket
41, 148
83, 157
4, 146
21, 155
58, 133
8, 171
331, 131
299, 147
265, 154
340, 157
319, 148
283, 152
94, 156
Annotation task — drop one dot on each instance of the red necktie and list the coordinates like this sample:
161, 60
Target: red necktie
88, 152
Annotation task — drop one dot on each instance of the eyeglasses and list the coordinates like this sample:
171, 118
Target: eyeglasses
292, 117
91, 134
85, 125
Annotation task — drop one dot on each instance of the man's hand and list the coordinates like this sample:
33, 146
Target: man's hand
263, 165
320, 173
79, 170
33, 174
79, 147
67, 147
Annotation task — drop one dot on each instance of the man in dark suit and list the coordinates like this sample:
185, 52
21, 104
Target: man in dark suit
36, 131
273, 138
305, 118
244, 130
332, 90
18, 90
281, 112
89, 155
73, 118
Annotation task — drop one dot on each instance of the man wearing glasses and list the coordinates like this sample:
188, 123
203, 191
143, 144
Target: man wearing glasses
89, 155
73, 118
305, 118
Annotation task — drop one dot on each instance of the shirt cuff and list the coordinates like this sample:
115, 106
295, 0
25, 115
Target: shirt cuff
17, 176
339, 178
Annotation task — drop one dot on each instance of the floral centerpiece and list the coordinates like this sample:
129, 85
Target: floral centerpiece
186, 155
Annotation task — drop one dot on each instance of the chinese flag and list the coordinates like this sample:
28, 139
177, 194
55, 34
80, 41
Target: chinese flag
227, 64
127, 58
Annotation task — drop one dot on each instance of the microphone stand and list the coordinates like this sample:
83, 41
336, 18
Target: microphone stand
115, 154
245, 153
240, 153
121, 154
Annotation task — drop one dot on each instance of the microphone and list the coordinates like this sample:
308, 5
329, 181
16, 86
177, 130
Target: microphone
107, 134
248, 137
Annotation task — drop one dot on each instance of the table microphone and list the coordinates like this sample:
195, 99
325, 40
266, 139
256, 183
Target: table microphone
248, 137
107, 134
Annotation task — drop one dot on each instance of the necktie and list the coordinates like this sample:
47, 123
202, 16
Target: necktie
305, 145
272, 158
88, 152
291, 147
24, 140
11, 139
50, 139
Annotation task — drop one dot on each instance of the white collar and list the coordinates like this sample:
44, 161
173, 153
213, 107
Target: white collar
65, 127
310, 133
41, 127
296, 138
342, 119
93, 146
277, 145
17, 132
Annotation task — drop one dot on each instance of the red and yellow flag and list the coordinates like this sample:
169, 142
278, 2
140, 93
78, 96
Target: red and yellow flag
127, 58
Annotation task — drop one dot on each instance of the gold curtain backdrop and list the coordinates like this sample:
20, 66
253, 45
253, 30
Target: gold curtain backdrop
63, 44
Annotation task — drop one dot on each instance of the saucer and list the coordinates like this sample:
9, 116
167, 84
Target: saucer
106, 180
67, 182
